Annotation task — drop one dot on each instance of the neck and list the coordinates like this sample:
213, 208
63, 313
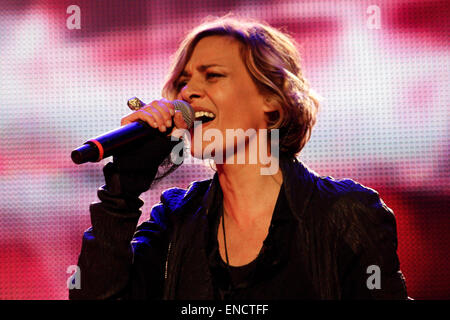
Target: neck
248, 195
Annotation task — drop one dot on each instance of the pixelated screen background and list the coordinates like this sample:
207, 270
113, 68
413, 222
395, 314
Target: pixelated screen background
381, 68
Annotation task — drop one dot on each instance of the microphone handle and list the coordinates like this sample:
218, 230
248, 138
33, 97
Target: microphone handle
106, 144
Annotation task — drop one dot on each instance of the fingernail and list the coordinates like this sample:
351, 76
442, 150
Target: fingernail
163, 128
168, 123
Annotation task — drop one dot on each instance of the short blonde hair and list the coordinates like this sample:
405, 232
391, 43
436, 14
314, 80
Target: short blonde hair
273, 63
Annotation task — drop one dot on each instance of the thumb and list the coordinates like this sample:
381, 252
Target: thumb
180, 125
179, 120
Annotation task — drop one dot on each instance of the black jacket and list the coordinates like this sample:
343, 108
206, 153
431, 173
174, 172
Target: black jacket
342, 228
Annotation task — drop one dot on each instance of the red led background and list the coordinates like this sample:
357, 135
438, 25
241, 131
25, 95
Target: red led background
381, 67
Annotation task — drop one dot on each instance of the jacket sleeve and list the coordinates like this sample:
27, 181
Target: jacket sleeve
106, 255
369, 266
118, 260
111, 253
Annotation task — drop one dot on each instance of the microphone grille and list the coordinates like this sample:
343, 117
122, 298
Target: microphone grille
186, 110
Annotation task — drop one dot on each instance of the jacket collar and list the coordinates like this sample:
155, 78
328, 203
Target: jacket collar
298, 180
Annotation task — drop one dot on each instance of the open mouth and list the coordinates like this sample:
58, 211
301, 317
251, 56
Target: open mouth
204, 116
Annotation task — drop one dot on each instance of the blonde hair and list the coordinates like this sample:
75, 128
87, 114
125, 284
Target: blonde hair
273, 63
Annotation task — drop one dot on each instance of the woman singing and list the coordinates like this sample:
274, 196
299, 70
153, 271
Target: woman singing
289, 234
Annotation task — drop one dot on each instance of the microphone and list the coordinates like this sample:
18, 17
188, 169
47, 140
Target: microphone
107, 144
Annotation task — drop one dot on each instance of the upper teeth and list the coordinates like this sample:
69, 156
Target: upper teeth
199, 114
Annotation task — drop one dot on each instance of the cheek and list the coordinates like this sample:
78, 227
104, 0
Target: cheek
237, 106
252, 102
248, 114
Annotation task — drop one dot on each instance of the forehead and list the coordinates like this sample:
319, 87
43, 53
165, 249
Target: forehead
222, 50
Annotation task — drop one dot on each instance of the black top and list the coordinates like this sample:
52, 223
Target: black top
252, 281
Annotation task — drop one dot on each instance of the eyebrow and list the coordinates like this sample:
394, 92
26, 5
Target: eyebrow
201, 68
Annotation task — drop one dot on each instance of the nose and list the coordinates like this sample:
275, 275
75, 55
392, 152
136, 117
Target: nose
191, 91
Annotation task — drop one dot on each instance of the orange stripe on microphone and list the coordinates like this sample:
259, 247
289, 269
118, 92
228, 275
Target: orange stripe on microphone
100, 149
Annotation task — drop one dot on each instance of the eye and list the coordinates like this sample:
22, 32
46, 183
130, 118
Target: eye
180, 85
210, 75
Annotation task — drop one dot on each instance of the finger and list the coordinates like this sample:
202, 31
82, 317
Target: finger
156, 114
124, 121
164, 112
132, 117
140, 115
169, 105
179, 120
148, 117
180, 125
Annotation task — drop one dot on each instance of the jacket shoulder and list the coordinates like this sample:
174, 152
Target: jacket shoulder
351, 205
321, 194
357, 211
173, 198
340, 190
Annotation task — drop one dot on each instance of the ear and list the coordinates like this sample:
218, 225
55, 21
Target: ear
272, 109
270, 105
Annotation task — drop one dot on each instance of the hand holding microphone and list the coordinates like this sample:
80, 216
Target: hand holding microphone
160, 114
158, 118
